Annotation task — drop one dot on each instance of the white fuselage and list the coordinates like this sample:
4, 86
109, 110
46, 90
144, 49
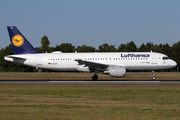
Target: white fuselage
132, 61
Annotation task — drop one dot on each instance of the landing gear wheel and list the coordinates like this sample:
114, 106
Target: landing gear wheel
153, 78
94, 77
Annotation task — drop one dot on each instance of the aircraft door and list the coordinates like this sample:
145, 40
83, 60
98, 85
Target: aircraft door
39, 60
154, 59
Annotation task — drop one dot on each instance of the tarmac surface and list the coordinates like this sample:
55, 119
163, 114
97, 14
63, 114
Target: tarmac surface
90, 82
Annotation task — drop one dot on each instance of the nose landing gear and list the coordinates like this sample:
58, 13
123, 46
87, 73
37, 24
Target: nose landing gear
153, 76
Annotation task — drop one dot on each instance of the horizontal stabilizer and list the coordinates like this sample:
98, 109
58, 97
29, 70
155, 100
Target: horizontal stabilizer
17, 57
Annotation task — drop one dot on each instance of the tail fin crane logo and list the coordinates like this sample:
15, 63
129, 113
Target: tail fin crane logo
17, 40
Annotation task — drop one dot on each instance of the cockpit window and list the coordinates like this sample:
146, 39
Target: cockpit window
166, 58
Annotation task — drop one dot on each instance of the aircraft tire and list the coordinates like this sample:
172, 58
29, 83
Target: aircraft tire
153, 78
94, 77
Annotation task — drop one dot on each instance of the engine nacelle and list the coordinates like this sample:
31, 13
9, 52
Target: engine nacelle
117, 71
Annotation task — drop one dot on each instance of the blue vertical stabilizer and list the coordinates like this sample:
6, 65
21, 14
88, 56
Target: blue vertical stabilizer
19, 43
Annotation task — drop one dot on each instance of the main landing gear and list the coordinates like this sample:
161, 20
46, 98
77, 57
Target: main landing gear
94, 77
153, 76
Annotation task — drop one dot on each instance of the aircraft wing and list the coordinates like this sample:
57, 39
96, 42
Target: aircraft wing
93, 65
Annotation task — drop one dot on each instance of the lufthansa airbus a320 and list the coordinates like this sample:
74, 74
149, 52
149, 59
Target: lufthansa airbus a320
113, 63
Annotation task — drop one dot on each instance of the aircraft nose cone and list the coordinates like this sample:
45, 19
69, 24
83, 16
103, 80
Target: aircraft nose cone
174, 63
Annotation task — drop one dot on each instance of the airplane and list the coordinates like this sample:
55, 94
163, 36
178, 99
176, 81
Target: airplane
114, 64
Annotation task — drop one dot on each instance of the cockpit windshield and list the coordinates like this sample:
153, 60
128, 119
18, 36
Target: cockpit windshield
166, 58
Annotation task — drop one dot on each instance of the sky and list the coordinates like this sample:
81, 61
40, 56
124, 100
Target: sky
92, 22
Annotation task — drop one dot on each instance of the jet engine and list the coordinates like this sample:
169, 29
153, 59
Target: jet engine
116, 71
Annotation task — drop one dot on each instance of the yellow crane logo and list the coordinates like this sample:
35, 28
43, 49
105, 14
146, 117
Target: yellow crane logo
17, 40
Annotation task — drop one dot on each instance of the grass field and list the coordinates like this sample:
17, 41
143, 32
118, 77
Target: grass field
87, 76
89, 102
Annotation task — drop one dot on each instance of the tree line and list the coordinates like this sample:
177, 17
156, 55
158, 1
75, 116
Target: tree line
172, 51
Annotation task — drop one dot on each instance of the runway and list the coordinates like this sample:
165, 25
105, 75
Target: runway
89, 82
